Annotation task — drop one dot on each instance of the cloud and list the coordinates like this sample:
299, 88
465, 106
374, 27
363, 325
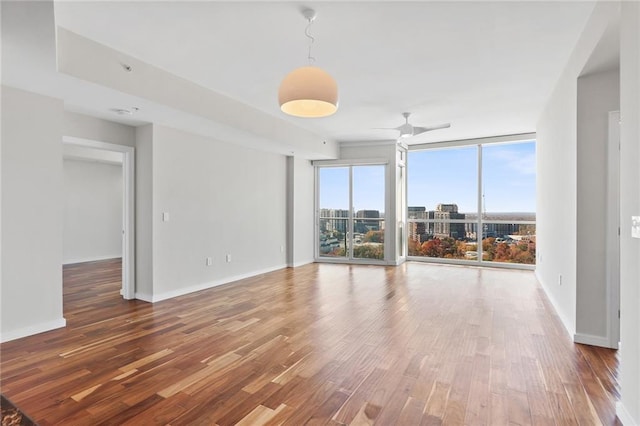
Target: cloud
522, 163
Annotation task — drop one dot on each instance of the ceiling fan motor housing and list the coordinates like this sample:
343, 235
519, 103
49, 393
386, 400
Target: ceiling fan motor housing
406, 130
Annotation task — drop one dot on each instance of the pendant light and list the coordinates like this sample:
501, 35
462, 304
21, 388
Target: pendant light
308, 91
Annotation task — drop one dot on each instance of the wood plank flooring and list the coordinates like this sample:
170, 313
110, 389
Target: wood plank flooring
319, 344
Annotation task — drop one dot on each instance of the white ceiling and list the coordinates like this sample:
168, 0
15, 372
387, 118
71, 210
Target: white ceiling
486, 67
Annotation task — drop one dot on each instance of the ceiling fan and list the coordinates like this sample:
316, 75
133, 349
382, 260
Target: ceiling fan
407, 129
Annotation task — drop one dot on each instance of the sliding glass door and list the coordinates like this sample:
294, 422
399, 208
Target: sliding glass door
350, 212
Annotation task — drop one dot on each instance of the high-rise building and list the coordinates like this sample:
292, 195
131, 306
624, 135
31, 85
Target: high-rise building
447, 208
364, 226
420, 231
444, 228
416, 212
332, 220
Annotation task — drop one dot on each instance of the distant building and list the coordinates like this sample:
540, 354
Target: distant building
499, 229
492, 229
364, 226
417, 212
443, 228
420, 231
331, 220
447, 208
417, 231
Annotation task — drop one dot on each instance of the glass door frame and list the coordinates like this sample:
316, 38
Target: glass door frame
402, 249
350, 164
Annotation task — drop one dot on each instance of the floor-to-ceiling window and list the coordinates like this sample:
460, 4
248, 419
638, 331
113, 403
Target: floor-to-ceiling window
509, 203
442, 188
334, 202
351, 203
473, 203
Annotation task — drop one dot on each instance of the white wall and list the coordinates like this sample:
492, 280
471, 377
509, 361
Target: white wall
31, 293
557, 192
144, 212
92, 211
556, 153
300, 211
85, 127
597, 95
221, 199
629, 408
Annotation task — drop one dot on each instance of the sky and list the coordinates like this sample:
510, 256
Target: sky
443, 176
450, 176
368, 188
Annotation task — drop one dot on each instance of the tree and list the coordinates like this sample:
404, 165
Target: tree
502, 253
414, 248
369, 251
488, 248
374, 237
448, 247
431, 248
337, 252
522, 254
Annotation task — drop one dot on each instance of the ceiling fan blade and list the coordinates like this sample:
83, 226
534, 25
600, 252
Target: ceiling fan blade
385, 128
418, 130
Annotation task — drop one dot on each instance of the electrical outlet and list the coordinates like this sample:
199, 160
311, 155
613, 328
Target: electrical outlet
635, 226
228, 258
209, 261
281, 249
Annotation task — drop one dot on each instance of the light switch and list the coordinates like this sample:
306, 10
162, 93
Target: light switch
635, 226
165, 217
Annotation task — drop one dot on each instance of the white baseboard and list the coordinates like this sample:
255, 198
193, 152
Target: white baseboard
567, 324
144, 297
624, 416
589, 339
192, 289
33, 329
90, 259
300, 263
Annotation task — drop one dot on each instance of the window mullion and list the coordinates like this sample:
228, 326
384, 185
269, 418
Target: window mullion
351, 224
480, 225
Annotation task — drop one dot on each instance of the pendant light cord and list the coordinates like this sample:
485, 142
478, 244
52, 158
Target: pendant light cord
311, 40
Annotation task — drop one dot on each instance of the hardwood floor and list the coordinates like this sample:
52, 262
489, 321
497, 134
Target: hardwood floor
319, 344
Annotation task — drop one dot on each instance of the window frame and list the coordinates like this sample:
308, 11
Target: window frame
479, 221
351, 219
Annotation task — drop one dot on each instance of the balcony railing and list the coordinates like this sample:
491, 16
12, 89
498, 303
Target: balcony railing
458, 240
366, 237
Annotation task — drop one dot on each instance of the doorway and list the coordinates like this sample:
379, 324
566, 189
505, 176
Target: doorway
128, 225
351, 201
